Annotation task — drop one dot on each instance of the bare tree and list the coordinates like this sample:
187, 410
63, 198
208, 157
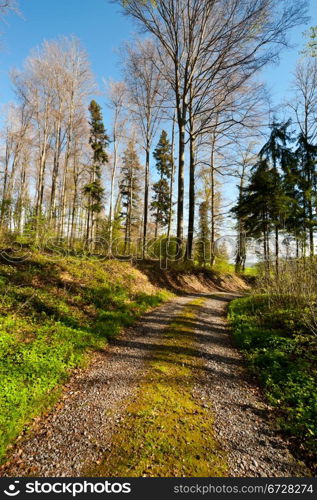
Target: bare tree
16, 135
200, 39
304, 107
45, 143
117, 102
146, 90
53, 88
7, 6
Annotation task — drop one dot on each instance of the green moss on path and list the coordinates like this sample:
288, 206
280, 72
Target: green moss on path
166, 432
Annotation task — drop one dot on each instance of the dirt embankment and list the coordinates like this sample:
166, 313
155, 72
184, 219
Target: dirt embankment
192, 281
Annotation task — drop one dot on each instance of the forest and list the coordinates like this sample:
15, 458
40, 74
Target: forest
114, 197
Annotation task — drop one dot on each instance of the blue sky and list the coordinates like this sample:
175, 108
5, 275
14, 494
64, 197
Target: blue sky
97, 23
101, 28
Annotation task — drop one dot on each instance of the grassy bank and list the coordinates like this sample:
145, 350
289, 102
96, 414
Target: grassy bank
166, 432
283, 354
53, 312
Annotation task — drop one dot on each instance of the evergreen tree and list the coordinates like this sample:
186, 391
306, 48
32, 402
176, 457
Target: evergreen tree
160, 205
306, 155
259, 202
277, 153
94, 190
130, 189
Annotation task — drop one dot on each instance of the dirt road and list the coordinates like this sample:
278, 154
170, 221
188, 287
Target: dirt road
82, 427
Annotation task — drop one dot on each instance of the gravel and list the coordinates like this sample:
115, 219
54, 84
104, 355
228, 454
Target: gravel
243, 420
79, 429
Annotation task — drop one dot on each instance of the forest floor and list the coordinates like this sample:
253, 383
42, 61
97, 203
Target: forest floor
169, 397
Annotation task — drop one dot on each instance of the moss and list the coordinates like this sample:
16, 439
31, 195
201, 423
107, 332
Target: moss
166, 432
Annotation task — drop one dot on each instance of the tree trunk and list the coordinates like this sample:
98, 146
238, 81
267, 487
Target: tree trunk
191, 213
241, 246
55, 174
146, 197
113, 178
277, 251
5, 183
181, 166
170, 214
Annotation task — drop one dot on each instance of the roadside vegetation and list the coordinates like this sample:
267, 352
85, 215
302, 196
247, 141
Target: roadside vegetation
53, 312
276, 327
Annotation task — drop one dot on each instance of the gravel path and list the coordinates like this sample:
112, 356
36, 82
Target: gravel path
242, 418
78, 431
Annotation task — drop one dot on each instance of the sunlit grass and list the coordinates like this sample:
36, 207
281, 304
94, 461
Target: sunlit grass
52, 314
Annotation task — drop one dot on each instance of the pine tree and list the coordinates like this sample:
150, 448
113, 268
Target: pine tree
277, 153
161, 205
130, 189
257, 205
306, 155
94, 190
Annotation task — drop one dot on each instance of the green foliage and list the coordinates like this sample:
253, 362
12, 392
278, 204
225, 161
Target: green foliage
160, 205
51, 315
311, 46
99, 141
221, 265
130, 187
281, 194
284, 358
265, 204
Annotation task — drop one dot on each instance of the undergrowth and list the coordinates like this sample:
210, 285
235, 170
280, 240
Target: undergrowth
52, 314
283, 355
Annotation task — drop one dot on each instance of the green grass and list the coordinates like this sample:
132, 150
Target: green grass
283, 356
251, 271
52, 314
166, 431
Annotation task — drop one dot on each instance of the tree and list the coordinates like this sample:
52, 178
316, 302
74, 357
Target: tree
276, 152
208, 175
94, 191
264, 205
243, 162
199, 40
311, 46
253, 207
17, 135
304, 106
117, 100
130, 192
306, 154
146, 92
53, 88
7, 6
161, 205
